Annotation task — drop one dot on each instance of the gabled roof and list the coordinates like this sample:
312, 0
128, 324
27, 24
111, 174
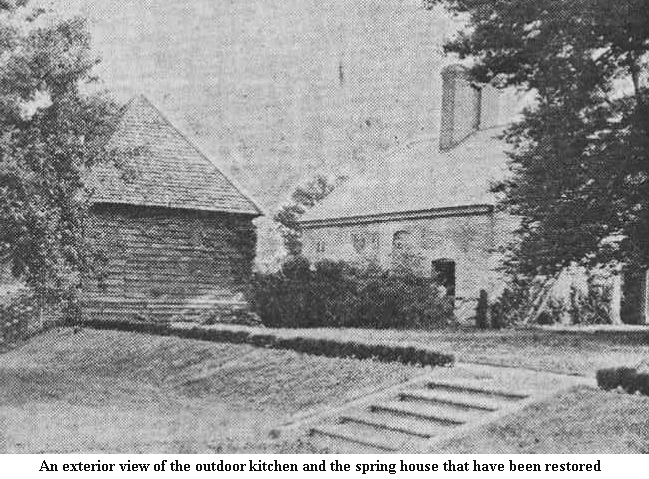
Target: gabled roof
418, 178
161, 167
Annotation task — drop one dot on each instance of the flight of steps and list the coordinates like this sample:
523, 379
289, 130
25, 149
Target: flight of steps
408, 421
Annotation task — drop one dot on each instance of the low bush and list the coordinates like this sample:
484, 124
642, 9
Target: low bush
149, 327
590, 305
513, 305
315, 346
629, 379
16, 313
336, 294
482, 311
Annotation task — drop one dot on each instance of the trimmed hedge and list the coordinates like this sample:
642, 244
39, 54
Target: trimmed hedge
337, 294
628, 379
314, 346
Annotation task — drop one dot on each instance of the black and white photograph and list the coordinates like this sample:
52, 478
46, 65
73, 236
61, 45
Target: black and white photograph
324, 227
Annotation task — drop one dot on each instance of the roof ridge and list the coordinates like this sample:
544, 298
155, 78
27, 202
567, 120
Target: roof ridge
204, 156
201, 154
179, 175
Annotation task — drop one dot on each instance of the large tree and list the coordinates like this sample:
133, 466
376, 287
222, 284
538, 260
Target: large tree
580, 166
51, 133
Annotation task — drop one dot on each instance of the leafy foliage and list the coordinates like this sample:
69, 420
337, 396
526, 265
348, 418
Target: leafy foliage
336, 294
580, 179
51, 134
303, 198
482, 311
629, 379
513, 305
16, 313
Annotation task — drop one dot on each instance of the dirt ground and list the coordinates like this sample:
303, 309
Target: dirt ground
106, 391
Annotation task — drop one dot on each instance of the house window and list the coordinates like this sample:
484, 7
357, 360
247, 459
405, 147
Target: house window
400, 240
359, 242
320, 247
443, 273
374, 241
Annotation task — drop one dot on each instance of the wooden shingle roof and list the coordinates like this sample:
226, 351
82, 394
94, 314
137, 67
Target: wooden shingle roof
159, 166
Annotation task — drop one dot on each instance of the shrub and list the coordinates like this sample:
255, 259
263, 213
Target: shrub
513, 305
336, 294
629, 379
497, 317
16, 313
594, 307
314, 346
591, 305
482, 311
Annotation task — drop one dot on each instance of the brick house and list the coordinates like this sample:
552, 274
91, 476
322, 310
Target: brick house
428, 204
176, 235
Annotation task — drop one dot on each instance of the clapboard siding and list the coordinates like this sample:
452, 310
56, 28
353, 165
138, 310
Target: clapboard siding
162, 259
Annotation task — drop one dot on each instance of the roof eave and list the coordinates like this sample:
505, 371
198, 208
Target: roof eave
253, 214
464, 210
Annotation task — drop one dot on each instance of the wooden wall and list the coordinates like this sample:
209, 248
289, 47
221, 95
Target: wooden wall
156, 261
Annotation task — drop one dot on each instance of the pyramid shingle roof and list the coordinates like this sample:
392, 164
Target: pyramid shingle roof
161, 167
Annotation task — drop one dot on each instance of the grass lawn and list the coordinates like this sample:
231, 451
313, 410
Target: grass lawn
107, 391
555, 351
579, 421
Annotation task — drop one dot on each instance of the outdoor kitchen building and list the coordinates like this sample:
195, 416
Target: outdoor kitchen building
174, 232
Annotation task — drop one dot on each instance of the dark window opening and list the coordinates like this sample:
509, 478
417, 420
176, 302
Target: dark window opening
400, 240
443, 273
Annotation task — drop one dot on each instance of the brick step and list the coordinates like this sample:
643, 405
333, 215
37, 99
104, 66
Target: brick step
457, 399
417, 427
477, 390
438, 413
360, 434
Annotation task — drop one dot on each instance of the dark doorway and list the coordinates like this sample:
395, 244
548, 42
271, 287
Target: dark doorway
443, 273
635, 293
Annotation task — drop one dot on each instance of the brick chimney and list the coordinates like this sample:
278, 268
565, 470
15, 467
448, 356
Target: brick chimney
466, 107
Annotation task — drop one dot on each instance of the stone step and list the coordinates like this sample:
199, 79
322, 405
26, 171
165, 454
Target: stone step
438, 413
336, 445
477, 390
360, 434
418, 427
458, 399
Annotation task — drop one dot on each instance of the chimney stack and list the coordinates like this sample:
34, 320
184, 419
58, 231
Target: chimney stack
466, 107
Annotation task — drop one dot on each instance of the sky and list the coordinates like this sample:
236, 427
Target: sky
277, 90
